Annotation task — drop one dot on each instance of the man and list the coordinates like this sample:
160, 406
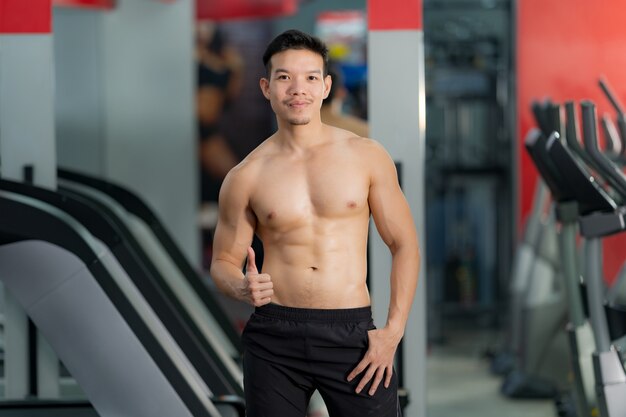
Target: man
308, 192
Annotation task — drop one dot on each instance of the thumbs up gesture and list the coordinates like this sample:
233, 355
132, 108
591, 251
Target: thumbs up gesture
257, 288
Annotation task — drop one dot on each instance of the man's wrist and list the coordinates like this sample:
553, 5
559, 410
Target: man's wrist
396, 330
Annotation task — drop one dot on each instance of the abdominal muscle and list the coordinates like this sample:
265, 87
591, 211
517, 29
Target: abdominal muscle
317, 270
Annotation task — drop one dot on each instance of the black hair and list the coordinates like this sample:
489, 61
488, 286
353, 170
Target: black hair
295, 39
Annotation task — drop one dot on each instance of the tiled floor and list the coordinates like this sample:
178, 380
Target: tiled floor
459, 383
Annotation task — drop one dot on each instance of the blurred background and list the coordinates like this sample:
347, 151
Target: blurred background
162, 98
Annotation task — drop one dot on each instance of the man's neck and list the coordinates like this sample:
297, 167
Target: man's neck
301, 137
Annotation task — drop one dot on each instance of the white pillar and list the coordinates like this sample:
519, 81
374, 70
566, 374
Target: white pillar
396, 108
125, 108
26, 139
27, 107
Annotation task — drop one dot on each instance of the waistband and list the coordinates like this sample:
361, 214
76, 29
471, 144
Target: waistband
276, 311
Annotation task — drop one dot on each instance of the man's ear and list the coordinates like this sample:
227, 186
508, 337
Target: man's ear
264, 83
328, 83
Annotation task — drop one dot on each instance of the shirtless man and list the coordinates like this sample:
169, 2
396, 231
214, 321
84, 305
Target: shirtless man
308, 192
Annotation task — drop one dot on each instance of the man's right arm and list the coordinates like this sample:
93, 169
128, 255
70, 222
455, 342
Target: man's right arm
231, 245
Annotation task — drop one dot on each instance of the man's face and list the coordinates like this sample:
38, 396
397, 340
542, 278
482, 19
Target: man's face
296, 86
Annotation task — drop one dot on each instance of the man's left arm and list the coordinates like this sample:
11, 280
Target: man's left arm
392, 216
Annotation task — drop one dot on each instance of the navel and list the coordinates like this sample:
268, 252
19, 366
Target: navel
271, 215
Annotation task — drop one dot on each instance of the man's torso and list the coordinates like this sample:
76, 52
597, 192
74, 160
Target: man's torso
312, 214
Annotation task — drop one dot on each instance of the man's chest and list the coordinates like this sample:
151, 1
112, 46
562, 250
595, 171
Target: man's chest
293, 195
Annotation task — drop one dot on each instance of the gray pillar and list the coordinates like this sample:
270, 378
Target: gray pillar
26, 139
26, 107
126, 106
397, 119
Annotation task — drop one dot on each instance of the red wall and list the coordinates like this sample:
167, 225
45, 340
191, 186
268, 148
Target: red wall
88, 4
403, 15
563, 47
241, 9
19, 16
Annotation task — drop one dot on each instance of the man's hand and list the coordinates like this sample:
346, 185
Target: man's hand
378, 360
257, 288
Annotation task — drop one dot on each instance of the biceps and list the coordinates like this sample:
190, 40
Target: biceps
232, 240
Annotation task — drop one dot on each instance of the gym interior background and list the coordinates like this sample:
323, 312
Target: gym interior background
110, 88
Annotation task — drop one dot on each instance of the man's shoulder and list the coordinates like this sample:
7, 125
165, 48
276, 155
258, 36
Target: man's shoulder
365, 146
244, 171
239, 183
370, 153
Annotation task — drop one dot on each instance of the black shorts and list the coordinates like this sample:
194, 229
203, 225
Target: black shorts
291, 352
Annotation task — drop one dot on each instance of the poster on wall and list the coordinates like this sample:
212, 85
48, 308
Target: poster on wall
345, 33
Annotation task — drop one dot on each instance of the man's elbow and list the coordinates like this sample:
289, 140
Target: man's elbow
404, 245
413, 251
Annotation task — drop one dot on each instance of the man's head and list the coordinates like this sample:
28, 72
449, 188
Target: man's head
297, 79
295, 39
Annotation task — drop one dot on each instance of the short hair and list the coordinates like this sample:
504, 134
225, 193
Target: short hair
295, 39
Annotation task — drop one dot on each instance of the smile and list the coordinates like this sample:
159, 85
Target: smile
298, 104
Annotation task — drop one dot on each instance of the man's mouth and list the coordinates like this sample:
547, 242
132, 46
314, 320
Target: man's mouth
297, 104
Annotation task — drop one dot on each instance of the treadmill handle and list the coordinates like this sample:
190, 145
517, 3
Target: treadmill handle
613, 175
572, 135
619, 109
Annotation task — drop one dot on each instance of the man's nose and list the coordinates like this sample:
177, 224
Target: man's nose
296, 87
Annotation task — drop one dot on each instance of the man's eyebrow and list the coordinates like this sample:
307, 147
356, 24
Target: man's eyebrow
315, 71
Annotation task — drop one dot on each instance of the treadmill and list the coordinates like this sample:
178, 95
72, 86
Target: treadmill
598, 216
106, 226
101, 327
571, 202
542, 368
183, 279
608, 365
134, 205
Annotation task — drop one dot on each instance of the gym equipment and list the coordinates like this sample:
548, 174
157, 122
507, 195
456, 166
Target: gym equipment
572, 136
178, 279
106, 226
154, 237
580, 195
525, 255
99, 324
617, 292
541, 370
608, 366
568, 209
620, 132
611, 173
